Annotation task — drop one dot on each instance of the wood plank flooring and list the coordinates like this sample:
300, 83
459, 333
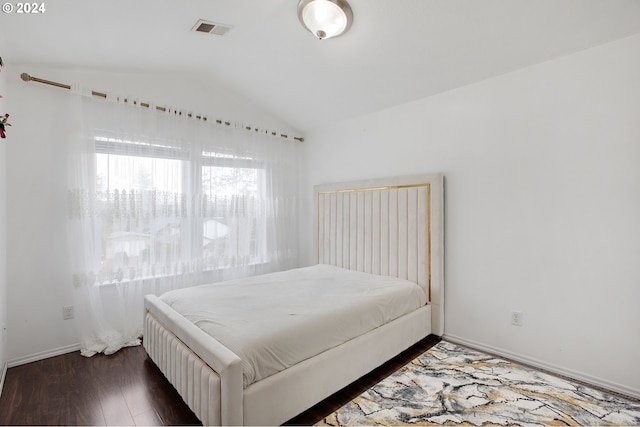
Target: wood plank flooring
127, 389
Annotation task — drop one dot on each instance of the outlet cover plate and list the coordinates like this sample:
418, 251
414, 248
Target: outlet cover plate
67, 312
516, 318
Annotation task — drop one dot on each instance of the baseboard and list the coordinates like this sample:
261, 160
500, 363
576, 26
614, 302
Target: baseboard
3, 376
43, 355
554, 369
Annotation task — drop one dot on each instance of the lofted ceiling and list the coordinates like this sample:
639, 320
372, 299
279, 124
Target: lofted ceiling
396, 51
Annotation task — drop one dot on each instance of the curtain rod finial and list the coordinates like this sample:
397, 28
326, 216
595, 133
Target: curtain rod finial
26, 77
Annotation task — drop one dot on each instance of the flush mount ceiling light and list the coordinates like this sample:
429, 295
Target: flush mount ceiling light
325, 18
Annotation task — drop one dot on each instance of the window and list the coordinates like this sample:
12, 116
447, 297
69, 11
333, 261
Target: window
164, 210
232, 220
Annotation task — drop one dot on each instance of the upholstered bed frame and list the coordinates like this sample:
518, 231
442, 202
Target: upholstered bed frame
391, 227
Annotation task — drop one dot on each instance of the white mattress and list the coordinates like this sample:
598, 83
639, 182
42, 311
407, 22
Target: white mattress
273, 321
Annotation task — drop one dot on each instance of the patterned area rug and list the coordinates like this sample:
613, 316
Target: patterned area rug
453, 385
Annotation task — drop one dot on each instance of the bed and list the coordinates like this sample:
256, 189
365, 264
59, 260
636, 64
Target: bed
383, 236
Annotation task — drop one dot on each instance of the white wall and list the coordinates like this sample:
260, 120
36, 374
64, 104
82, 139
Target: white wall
3, 228
542, 170
38, 276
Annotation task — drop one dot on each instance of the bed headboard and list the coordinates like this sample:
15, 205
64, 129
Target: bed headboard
391, 227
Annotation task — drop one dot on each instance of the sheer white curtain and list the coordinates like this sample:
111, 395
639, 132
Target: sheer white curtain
159, 201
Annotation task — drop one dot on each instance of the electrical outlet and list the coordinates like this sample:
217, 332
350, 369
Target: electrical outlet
516, 318
67, 312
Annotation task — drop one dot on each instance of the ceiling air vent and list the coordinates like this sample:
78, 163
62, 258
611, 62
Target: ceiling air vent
209, 27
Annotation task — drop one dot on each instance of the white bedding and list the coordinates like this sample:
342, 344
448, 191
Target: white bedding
273, 321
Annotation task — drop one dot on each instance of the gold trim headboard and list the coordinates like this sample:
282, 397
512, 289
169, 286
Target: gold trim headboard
389, 227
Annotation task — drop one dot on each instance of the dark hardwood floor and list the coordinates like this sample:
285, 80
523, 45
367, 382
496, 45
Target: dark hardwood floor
126, 388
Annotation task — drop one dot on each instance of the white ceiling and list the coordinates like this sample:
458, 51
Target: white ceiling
395, 52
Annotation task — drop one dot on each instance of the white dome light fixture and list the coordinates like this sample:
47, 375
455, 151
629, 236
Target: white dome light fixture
325, 18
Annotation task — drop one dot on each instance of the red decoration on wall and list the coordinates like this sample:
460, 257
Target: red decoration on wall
4, 122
